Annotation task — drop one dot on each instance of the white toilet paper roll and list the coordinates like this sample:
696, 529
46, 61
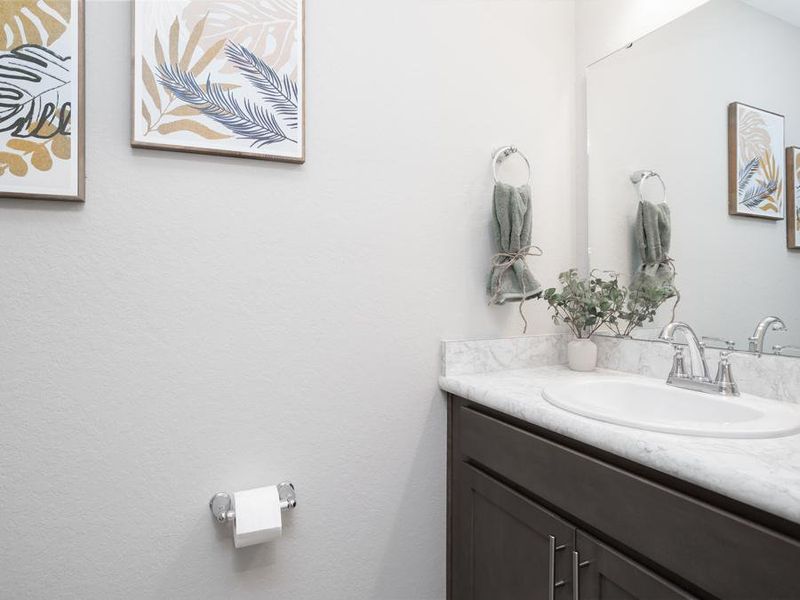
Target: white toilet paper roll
258, 516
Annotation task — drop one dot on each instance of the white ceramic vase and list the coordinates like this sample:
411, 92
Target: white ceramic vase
582, 355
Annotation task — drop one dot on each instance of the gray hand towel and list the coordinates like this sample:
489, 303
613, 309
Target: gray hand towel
653, 233
512, 224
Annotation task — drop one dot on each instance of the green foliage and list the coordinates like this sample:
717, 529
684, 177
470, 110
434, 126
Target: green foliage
586, 304
639, 307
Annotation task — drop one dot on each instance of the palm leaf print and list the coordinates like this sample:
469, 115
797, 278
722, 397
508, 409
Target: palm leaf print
243, 118
747, 172
280, 92
759, 194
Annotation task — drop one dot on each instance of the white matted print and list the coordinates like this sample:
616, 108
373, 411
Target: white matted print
793, 198
220, 77
41, 111
757, 169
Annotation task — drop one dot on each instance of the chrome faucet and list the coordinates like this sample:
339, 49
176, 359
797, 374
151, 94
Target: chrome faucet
757, 339
697, 378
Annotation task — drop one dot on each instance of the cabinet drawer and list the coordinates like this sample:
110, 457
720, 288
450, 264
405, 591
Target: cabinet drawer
715, 551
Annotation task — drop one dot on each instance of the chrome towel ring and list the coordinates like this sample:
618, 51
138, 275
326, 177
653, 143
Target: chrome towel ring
502, 154
638, 179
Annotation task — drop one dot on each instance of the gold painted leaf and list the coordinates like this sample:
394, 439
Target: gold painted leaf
150, 83
191, 45
754, 137
41, 159
174, 41
23, 21
267, 29
185, 111
207, 57
47, 129
15, 163
146, 115
159, 50
61, 147
769, 206
192, 126
23, 145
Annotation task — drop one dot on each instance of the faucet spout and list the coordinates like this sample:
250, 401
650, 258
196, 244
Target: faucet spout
756, 341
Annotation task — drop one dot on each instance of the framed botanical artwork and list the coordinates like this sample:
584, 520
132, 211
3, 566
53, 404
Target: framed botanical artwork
41, 106
793, 198
756, 167
220, 77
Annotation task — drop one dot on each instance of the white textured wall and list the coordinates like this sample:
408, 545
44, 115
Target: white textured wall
206, 324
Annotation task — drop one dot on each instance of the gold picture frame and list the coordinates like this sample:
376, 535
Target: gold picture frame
756, 162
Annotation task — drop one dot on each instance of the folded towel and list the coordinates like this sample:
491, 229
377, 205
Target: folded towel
653, 233
511, 279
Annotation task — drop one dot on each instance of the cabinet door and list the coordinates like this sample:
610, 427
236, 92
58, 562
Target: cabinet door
604, 574
506, 547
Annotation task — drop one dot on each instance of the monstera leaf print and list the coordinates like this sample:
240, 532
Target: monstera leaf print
754, 137
267, 29
25, 22
34, 92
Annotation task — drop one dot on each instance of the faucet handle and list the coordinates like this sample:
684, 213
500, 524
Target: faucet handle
729, 344
724, 381
778, 350
678, 364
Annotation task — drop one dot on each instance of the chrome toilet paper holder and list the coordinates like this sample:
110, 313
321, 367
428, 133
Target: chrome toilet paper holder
221, 504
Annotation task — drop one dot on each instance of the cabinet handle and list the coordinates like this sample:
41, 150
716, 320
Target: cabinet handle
552, 584
551, 581
576, 584
577, 565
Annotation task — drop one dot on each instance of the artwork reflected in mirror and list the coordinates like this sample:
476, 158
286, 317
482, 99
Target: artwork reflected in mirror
676, 103
756, 162
793, 198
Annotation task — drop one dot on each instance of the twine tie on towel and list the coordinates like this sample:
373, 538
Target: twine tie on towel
506, 260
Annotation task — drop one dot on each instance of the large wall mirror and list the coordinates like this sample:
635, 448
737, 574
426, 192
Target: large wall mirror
711, 104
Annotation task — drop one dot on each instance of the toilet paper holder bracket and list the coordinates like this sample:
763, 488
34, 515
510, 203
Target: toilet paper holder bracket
221, 504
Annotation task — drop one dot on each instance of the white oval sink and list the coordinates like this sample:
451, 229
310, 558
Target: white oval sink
659, 407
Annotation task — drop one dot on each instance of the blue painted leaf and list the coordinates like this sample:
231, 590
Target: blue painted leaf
280, 92
242, 117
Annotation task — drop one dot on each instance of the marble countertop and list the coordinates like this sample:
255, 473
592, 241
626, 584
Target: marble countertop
764, 473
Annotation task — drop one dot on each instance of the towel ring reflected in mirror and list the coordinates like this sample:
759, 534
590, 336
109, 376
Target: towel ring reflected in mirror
638, 179
502, 154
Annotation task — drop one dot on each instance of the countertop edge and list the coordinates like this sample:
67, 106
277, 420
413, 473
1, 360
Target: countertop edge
775, 493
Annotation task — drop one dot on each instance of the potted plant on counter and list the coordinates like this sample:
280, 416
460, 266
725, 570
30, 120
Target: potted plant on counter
584, 304
639, 306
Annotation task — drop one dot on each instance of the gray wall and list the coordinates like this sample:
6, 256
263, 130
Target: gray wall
206, 324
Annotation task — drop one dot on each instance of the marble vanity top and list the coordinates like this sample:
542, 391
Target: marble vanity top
764, 473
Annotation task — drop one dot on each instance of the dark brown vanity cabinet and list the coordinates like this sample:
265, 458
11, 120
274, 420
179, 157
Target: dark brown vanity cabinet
535, 516
506, 544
